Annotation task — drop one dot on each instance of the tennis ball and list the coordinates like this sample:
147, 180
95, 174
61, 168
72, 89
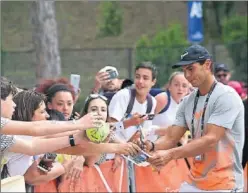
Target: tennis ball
98, 135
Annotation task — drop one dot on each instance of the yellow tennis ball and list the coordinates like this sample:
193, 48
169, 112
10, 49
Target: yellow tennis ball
98, 135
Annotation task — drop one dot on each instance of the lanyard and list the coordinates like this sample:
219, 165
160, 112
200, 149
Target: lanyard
204, 109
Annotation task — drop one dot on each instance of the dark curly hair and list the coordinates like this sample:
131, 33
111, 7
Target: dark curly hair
27, 102
51, 86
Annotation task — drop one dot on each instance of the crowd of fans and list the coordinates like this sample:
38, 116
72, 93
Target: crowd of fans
41, 120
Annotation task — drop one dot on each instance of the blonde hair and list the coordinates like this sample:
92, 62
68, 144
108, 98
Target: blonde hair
172, 76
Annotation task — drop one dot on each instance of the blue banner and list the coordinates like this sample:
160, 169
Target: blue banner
195, 23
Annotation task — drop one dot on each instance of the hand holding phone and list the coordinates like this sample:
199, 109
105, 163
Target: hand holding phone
45, 163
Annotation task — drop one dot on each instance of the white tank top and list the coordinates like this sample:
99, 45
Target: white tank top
167, 118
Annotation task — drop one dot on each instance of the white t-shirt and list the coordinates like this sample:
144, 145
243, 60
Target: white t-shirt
168, 117
117, 109
19, 163
118, 106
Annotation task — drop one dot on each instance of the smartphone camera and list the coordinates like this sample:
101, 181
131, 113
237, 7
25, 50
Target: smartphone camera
112, 74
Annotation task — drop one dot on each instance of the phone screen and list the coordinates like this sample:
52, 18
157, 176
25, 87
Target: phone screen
75, 81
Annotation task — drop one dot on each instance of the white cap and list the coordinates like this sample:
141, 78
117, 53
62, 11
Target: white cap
109, 68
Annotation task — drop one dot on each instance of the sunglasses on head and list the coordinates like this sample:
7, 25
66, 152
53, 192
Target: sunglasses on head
95, 96
220, 75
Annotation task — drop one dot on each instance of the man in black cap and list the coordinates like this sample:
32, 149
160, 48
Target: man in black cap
214, 114
222, 73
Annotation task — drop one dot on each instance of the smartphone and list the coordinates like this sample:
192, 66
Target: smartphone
150, 116
45, 162
112, 74
75, 81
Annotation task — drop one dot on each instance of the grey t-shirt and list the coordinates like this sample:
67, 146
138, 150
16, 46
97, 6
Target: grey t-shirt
221, 167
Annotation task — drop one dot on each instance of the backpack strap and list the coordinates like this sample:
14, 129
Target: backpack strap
149, 104
168, 103
132, 92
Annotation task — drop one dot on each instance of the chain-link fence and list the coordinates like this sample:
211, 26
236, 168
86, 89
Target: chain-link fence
20, 66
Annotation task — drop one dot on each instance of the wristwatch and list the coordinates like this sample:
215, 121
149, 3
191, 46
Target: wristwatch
71, 140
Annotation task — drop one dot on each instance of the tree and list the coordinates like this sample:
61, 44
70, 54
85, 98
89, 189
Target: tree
235, 38
163, 49
110, 23
45, 39
214, 13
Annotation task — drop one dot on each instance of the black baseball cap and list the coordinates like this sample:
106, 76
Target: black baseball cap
221, 67
193, 54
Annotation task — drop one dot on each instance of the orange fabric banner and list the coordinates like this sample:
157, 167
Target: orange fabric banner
91, 181
246, 178
47, 187
168, 180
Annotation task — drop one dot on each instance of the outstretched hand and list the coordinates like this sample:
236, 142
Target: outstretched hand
160, 158
90, 120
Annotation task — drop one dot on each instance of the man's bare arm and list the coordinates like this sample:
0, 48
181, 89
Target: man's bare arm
171, 137
198, 146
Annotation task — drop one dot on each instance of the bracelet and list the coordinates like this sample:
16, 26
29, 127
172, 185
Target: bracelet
153, 146
71, 140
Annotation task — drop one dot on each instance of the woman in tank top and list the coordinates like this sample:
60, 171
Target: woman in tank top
168, 102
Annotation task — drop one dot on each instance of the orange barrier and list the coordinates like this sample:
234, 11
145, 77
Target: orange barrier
47, 187
91, 180
246, 178
168, 180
